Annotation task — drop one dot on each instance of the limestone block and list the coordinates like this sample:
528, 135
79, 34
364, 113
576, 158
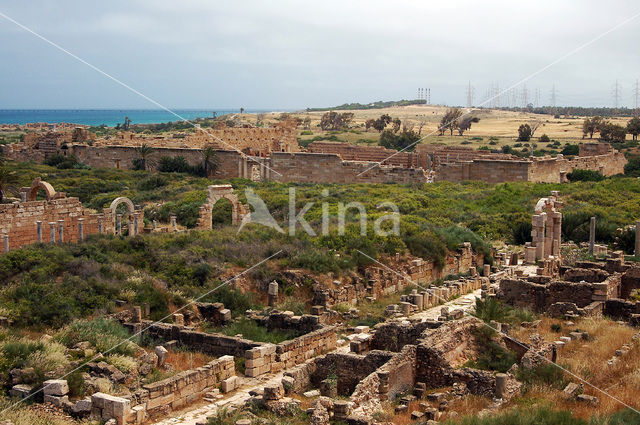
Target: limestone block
55, 387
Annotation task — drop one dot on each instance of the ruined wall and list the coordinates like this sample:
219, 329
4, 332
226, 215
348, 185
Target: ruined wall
487, 170
350, 152
186, 387
349, 369
209, 343
379, 281
330, 168
439, 154
18, 220
607, 164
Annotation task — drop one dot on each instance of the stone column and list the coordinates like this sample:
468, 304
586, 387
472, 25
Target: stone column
501, 385
135, 223
52, 227
23, 196
178, 319
174, 224
118, 224
39, 231
80, 229
137, 314
61, 230
537, 234
637, 238
273, 294
154, 224
592, 234
6, 242
486, 270
99, 224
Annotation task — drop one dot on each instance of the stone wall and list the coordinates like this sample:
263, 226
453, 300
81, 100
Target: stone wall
209, 343
187, 387
270, 358
18, 221
351, 152
487, 170
379, 281
349, 369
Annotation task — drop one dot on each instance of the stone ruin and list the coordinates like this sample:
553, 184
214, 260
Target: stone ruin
546, 231
25, 222
215, 193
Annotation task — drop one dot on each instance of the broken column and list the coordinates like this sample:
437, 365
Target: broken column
174, 224
273, 294
592, 235
100, 224
61, 230
178, 319
6, 242
39, 231
486, 270
637, 251
137, 314
135, 223
52, 228
80, 229
118, 224
501, 385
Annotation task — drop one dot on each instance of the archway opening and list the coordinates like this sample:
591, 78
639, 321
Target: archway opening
125, 220
222, 213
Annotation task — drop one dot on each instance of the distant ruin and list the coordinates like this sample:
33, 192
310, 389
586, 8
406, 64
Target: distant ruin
262, 154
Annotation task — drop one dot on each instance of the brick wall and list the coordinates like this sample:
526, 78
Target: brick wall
18, 220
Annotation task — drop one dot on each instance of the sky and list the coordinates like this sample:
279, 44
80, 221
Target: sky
285, 54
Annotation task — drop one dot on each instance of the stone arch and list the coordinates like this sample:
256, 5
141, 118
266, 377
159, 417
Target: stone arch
37, 185
216, 193
131, 210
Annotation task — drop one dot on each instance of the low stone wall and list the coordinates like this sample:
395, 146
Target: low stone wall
379, 281
186, 387
394, 335
271, 358
349, 369
209, 343
582, 288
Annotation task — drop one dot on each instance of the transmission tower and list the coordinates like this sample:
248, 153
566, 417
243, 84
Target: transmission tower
616, 95
469, 95
429, 96
554, 95
636, 96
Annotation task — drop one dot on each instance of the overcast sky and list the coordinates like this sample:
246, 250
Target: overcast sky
295, 54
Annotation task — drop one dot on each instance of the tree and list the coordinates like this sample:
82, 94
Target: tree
369, 124
8, 180
242, 110
534, 125
465, 124
633, 127
592, 125
404, 140
524, 133
209, 161
382, 122
396, 124
450, 120
610, 132
306, 123
144, 151
127, 124
335, 121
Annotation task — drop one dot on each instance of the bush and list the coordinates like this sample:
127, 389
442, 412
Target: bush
491, 355
521, 232
544, 139
632, 168
103, 334
585, 175
547, 374
523, 416
176, 164
249, 329
153, 182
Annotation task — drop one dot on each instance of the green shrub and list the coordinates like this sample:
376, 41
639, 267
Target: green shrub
249, 329
545, 374
585, 175
104, 334
522, 416
491, 355
521, 232
570, 149
153, 182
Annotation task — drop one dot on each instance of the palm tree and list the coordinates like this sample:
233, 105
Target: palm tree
209, 161
8, 180
144, 151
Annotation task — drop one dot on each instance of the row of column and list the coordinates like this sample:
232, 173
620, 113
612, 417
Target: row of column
52, 229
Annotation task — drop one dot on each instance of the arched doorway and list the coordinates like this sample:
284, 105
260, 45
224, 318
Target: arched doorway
222, 213
123, 212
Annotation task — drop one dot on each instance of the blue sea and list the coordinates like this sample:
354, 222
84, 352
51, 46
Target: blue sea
109, 117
